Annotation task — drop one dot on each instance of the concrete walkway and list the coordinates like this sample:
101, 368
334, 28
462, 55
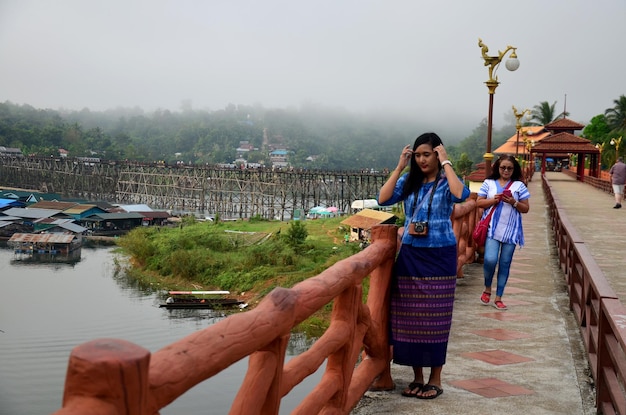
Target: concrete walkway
529, 359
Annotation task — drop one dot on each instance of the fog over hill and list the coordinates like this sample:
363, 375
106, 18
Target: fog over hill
416, 61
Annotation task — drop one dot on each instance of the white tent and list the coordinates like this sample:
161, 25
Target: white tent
365, 204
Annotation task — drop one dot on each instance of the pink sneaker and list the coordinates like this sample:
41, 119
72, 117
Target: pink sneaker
485, 298
499, 305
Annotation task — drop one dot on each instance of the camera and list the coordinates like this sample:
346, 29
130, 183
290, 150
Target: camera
418, 228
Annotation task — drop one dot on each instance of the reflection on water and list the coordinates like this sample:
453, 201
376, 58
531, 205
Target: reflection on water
124, 281
299, 343
49, 308
71, 258
212, 316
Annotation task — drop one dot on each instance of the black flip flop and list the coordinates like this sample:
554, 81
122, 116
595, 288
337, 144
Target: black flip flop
412, 386
427, 388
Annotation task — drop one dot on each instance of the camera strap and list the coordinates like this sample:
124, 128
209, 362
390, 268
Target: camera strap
431, 192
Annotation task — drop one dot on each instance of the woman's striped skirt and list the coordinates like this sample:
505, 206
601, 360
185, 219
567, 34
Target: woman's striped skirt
422, 297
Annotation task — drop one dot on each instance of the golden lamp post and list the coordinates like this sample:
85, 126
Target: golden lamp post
600, 147
528, 145
492, 62
518, 126
616, 142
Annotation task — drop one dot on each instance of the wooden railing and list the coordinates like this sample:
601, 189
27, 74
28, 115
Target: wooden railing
112, 376
603, 182
599, 313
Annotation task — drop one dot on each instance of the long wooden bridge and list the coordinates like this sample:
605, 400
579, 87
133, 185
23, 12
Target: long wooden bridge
230, 193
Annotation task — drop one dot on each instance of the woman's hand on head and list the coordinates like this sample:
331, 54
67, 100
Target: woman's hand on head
405, 157
441, 153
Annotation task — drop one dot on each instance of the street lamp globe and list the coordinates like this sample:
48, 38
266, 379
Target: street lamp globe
512, 63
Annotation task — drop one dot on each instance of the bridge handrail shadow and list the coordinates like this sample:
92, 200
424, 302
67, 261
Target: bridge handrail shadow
600, 315
113, 376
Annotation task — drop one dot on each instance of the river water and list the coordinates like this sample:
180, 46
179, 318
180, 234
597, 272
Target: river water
48, 309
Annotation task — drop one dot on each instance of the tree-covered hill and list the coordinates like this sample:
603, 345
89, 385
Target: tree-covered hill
336, 139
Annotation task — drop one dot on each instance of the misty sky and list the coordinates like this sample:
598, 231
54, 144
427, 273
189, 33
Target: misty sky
408, 57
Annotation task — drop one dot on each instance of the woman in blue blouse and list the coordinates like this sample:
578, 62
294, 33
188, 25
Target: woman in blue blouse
424, 275
505, 227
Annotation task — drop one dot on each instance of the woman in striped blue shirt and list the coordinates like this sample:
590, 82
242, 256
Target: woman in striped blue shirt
505, 229
424, 275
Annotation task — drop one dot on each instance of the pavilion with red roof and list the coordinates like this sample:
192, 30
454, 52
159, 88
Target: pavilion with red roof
555, 140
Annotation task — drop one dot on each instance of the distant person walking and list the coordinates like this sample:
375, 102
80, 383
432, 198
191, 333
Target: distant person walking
618, 179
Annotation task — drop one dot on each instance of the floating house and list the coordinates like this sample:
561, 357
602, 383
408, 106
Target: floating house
45, 243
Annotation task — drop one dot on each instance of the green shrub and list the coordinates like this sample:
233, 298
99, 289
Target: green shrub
297, 233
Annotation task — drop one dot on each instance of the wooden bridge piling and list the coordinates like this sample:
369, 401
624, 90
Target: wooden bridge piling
229, 193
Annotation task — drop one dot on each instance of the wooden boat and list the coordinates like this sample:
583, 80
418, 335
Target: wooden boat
190, 299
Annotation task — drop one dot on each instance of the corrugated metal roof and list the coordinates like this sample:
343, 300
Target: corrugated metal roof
155, 214
78, 209
31, 213
9, 218
58, 238
136, 208
115, 216
72, 227
50, 204
52, 221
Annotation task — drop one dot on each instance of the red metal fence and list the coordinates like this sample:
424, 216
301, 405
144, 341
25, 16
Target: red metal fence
599, 313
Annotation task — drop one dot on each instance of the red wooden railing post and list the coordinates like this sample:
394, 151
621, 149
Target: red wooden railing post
107, 377
378, 302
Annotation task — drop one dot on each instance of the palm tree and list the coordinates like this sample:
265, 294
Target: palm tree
616, 116
542, 114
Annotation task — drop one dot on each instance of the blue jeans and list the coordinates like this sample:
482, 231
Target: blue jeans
501, 254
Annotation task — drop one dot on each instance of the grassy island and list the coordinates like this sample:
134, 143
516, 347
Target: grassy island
248, 258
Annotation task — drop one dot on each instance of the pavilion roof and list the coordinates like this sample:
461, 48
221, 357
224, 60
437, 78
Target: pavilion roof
564, 143
515, 146
564, 124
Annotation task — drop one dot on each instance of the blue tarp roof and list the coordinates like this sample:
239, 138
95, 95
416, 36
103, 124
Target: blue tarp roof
11, 203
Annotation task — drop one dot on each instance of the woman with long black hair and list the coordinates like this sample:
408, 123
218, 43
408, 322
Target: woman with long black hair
424, 275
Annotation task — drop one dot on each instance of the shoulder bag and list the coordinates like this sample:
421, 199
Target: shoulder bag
482, 227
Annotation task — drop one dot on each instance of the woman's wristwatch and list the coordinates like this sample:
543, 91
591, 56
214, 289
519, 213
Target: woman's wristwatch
515, 204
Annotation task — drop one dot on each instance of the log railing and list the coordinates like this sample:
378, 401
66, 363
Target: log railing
600, 315
112, 376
